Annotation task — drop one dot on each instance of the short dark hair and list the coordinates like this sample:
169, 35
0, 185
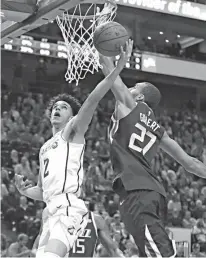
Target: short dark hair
21, 237
73, 102
151, 94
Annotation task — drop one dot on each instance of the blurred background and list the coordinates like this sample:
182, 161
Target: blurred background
170, 52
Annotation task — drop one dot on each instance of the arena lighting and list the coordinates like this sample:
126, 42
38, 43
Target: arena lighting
166, 40
62, 55
8, 46
61, 46
178, 36
137, 60
137, 66
161, 33
44, 44
44, 52
27, 41
28, 45
26, 50
149, 37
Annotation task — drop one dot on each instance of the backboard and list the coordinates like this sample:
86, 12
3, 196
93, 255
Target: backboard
20, 16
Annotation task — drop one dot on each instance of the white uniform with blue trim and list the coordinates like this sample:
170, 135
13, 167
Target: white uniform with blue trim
61, 168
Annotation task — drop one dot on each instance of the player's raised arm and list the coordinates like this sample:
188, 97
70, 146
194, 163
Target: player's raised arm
190, 164
85, 114
105, 239
119, 89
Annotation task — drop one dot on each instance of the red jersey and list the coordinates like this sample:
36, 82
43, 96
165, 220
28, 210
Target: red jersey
134, 141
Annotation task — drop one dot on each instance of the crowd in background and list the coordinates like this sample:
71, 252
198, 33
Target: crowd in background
25, 127
172, 49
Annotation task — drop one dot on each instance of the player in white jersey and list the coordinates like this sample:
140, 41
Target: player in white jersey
86, 243
61, 165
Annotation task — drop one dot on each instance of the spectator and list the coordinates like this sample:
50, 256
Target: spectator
4, 246
5, 103
5, 177
6, 121
26, 136
176, 219
35, 171
199, 231
22, 210
19, 249
187, 220
196, 251
102, 148
4, 191
20, 124
23, 168
10, 202
198, 210
14, 112
176, 202
14, 158
28, 121
37, 140
29, 101
117, 225
19, 102
204, 218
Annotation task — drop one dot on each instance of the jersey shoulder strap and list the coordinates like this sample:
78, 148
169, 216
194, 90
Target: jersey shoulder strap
93, 222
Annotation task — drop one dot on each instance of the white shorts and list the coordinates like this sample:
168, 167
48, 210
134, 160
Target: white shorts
67, 219
40, 252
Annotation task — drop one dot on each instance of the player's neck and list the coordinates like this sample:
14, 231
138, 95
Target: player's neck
56, 129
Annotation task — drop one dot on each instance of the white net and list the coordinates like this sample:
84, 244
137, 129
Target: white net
78, 30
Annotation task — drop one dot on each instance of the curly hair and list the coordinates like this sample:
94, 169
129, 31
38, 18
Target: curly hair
73, 102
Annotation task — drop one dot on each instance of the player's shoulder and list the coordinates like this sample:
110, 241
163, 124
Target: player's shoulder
144, 105
121, 111
45, 144
14, 246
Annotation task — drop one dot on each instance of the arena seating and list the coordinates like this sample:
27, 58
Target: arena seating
25, 127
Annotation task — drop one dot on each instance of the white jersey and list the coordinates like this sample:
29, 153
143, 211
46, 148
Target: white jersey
61, 167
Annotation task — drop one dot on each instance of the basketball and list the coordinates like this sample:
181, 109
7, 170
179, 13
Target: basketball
109, 37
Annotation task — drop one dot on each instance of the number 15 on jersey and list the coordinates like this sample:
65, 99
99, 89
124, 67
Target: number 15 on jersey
78, 246
141, 138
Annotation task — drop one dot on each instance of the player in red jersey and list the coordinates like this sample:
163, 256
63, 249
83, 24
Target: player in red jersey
86, 243
135, 136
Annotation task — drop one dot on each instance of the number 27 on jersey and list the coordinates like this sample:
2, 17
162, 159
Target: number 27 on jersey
141, 138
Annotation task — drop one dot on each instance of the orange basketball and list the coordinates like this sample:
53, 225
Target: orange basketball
109, 37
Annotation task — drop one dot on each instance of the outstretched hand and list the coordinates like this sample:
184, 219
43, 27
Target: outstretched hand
103, 14
125, 55
22, 185
107, 62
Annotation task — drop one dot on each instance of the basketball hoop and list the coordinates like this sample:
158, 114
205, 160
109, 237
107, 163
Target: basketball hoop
77, 27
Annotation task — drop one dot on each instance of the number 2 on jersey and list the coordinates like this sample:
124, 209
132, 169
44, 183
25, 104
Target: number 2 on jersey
46, 163
141, 138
